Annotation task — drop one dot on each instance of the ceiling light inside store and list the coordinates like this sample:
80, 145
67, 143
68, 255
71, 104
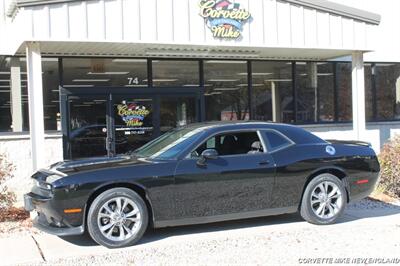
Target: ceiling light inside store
213, 93
134, 85
226, 89
191, 85
162, 80
77, 86
254, 74
129, 60
4, 90
223, 80
318, 74
90, 80
4, 86
109, 73
279, 80
224, 62
4, 73
253, 85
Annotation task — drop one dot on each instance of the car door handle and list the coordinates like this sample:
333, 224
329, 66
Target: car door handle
264, 162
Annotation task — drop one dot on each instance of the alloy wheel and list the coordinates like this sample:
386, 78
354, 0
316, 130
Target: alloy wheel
326, 200
119, 219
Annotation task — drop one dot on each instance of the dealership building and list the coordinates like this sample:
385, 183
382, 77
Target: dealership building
102, 77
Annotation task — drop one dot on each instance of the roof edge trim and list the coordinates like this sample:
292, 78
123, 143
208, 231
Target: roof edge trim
322, 5
339, 9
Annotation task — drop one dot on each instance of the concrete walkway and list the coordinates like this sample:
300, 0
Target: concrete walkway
44, 248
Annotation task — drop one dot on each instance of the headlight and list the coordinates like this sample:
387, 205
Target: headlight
52, 178
42, 184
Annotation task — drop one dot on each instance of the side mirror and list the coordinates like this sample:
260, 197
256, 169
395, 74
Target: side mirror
208, 154
211, 154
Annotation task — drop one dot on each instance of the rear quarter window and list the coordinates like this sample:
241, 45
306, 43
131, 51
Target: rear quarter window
275, 140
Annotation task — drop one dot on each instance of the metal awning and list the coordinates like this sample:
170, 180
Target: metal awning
181, 51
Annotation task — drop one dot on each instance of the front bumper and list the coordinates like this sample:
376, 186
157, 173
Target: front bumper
40, 222
49, 220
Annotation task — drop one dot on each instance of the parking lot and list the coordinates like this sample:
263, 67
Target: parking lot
369, 230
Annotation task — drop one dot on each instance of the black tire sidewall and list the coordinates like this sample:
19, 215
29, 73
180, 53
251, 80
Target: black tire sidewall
93, 228
306, 208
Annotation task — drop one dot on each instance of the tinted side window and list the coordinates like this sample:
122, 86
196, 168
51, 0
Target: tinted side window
232, 143
275, 140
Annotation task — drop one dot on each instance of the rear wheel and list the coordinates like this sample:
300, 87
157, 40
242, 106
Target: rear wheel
117, 218
324, 200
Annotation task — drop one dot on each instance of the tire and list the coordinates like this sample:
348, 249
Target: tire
318, 207
105, 222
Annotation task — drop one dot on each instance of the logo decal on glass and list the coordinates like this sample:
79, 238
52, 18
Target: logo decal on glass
225, 19
132, 114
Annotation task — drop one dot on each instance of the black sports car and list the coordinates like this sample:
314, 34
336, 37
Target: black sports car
203, 173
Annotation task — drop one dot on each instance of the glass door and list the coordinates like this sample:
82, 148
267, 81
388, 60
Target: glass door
133, 122
87, 132
176, 111
116, 122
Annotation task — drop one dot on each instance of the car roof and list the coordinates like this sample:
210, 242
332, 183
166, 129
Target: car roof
295, 133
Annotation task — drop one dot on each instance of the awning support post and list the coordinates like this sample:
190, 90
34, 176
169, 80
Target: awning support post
35, 98
358, 94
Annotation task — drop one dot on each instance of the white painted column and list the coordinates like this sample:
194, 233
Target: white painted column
358, 94
276, 103
16, 97
35, 97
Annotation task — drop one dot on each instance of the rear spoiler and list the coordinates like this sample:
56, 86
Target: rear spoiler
349, 142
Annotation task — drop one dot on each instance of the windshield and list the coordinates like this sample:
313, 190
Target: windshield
169, 145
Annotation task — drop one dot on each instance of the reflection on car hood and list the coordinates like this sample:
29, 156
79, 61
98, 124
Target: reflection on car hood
87, 164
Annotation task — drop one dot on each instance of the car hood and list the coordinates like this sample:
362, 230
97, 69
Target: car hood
95, 163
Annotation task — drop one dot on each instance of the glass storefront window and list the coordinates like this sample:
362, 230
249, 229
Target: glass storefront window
87, 126
101, 72
226, 87
176, 112
21, 119
388, 91
169, 73
344, 92
5, 94
51, 101
272, 91
315, 92
369, 108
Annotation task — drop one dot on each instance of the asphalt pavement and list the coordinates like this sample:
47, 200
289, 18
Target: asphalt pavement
367, 234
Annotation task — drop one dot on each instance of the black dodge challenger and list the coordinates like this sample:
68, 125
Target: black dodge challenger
203, 173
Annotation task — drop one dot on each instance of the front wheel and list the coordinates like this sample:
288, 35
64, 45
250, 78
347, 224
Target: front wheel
117, 218
324, 200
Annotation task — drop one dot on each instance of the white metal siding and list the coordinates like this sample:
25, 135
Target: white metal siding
274, 23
